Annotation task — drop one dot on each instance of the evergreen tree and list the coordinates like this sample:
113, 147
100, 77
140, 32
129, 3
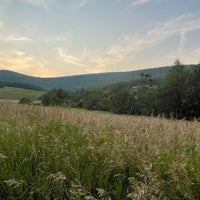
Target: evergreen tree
192, 99
172, 92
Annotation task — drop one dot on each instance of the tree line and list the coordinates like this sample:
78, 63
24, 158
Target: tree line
178, 96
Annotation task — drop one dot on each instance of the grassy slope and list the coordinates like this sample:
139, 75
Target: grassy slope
56, 153
18, 93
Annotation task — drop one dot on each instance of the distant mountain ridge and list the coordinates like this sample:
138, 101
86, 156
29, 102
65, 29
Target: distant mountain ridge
81, 81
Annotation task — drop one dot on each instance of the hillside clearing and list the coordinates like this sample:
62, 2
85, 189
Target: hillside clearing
56, 153
12, 93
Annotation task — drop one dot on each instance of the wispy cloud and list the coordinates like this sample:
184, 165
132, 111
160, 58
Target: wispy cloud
175, 26
49, 3
24, 63
37, 2
142, 2
126, 45
82, 3
71, 59
182, 41
133, 44
46, 4
100, 61
178, 26
15, 39
18, 39
129, 45
139, 2
49, 39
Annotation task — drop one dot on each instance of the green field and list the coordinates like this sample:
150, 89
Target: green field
58, 153
12, 93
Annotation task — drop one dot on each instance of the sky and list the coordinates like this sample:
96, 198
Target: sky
50, 38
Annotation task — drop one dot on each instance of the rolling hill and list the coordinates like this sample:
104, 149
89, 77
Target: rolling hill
81, 81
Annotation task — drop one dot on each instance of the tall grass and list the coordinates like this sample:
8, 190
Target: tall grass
56, 153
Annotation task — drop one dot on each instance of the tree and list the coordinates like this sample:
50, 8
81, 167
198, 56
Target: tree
118, 97
77, 98
95, 100
61, 93
131, 103
172, 92
192, 98
56, 97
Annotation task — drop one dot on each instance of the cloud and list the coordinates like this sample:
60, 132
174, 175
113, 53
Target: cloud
178, 26
142, 2
46, 4
37, 2
24, 63
71, 59
15, 39
48, 39
18, 39
85, 63
139, 2
82, 3
126, 45
182, 41
175, 26
89, 61
131, 45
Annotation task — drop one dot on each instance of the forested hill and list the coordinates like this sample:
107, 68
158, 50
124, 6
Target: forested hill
81, 81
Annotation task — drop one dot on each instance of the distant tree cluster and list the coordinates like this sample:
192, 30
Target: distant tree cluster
56, 97
178, 96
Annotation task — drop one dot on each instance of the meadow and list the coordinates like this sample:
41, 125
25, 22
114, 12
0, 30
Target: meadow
12, 93
62, 153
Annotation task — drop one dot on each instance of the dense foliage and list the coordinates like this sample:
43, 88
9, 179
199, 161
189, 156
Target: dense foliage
178, 96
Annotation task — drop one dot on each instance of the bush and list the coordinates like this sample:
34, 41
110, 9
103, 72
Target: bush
25, 101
